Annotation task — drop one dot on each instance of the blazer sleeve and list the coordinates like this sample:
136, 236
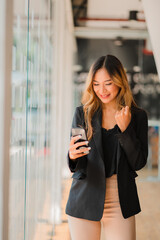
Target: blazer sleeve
135, 141
78, 163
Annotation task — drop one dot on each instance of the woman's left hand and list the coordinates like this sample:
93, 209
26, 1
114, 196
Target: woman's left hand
123, 118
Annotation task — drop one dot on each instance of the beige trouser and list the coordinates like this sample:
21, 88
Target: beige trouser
114, 226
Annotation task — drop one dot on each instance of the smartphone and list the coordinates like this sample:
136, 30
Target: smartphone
80, 131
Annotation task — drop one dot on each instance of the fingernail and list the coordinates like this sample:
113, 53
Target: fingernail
89, 147
79, 136
86, 142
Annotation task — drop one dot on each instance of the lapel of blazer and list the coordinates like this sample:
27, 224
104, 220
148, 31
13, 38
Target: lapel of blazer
97, 133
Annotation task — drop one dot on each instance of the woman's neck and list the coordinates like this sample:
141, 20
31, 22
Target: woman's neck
110, 107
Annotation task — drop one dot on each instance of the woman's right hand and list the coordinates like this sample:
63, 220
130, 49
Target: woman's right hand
76, 153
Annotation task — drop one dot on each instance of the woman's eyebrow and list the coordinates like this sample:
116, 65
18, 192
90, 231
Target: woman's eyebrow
104, 81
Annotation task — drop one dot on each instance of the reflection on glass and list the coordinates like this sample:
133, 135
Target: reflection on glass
30, 129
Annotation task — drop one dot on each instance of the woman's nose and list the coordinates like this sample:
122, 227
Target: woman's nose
102, 89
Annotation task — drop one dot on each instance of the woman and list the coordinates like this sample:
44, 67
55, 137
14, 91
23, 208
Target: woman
103, 189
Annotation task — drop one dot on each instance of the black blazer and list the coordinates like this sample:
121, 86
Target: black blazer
87, 193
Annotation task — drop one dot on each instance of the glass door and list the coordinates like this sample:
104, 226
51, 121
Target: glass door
31, 165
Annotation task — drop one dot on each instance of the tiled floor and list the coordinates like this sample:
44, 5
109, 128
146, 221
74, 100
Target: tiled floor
62, 231
148, 221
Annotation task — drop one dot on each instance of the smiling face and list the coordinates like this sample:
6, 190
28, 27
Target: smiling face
104, 87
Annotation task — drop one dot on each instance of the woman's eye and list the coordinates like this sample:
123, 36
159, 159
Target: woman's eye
108, 84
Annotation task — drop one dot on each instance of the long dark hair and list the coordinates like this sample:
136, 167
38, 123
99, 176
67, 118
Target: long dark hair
91, 102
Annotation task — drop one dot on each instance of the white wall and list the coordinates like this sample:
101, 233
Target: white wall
2, 16
5, 107
64, 48
112, 8
151, 9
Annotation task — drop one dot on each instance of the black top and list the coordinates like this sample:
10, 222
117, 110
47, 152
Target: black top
109, 144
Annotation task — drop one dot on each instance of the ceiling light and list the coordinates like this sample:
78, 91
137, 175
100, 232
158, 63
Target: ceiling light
118, 41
